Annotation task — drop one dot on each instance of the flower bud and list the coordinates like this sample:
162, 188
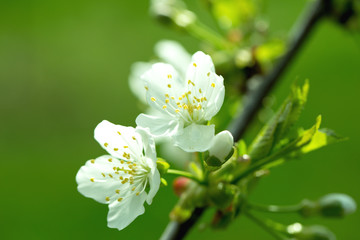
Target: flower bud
221, 149
336, 205
172, 12
222, 194
180, 184
315, 232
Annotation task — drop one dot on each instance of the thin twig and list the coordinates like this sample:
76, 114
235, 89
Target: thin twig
175, 230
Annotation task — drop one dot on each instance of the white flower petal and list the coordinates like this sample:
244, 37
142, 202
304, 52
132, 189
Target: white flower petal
196, 138
122, 213
173, 53
221, 145
206, 84
163, 84
135, 82
154, 181
119, 141
97, 179
159, 125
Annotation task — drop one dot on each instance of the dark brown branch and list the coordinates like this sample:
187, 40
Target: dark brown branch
255, 98
175, 230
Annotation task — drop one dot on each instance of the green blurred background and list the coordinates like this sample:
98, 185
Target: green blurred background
64, 67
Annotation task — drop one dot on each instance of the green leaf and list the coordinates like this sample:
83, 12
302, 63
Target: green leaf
307, 141
320, 139
278, 127
232, 13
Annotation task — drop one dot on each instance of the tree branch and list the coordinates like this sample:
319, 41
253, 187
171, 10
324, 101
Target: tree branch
300, 32
303, 27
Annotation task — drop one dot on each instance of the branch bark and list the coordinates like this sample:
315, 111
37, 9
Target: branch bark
301, 31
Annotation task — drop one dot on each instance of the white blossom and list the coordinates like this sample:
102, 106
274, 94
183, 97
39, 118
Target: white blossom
121, 178
185, 105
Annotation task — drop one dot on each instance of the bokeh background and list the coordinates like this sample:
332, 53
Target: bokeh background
64, 67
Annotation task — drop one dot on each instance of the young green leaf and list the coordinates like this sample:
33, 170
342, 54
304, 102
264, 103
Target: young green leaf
279, 126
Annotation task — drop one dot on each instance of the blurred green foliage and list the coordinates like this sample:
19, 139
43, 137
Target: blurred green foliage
64, 67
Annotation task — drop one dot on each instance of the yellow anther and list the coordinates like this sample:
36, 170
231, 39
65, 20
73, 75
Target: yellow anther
180, 98
169, 85
122, 161
189, 81
166, 95
186, 106
189, 92
133, 138
205, 99
164, 107
138, 193
92, 161
172, 98
121, 178
119, 133
183, 96
117, 173
134, 164
169, 76
110, 159
107, 199
110, 175
200, 90
126, 146
167, 100
106, 144
194, 64
103, 174
153, 99
133, 189
92, 179
130, 166
177, 110
213, 84
116, 149
208, 74
120, 199
126, 155
146, 88
114, 168
117, 191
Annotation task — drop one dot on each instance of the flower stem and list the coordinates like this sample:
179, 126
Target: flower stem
204, 33
183, 174
268, 225
274, 208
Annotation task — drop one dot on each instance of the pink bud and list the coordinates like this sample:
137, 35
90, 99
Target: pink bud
180, 184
